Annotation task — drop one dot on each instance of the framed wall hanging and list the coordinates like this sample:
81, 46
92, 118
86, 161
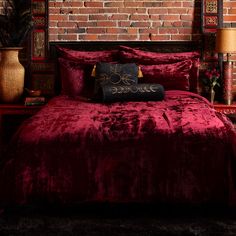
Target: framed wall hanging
211, 19
42, 70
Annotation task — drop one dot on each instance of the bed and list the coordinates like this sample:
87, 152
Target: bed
175, 149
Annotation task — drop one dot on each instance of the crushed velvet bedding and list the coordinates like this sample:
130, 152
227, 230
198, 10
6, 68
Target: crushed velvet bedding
179, 150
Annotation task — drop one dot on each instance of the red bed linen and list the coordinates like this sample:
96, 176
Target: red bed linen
178, 150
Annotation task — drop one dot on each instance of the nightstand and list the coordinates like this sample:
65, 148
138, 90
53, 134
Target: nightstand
11, 116
229, 110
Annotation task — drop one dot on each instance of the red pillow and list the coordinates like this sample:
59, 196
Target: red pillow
72, 78
88, 57
138, 56
171, 76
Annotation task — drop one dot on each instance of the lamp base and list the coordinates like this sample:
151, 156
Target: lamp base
227, 82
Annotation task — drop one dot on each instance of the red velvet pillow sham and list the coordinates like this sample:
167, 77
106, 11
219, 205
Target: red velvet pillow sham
171, 76
141, 57
88, 57
72, 78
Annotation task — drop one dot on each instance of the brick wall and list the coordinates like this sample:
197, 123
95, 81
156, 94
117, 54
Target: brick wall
129, 19
124, 20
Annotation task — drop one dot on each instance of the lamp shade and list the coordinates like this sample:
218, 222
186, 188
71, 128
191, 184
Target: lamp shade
226, 40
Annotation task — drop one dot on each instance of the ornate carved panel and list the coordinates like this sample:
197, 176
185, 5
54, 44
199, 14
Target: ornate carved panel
42, 70
212, 11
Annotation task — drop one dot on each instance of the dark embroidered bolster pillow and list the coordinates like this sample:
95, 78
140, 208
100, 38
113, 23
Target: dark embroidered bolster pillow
137, 92
115, 74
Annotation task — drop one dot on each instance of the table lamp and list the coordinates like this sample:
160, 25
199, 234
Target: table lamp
226, 44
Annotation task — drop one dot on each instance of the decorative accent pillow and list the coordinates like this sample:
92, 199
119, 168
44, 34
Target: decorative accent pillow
72, 77
88, 57
173, 76
115, 74
136, 92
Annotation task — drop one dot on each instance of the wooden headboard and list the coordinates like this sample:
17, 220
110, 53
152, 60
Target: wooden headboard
162, 46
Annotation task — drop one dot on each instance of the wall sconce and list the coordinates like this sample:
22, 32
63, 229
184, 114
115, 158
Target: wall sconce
226, 43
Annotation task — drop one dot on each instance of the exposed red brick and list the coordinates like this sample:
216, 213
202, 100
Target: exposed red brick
232, 11
140, 24
188, 4
88, 37
185, 30
168, 24
133, 4
96, 30
231, 4
168, 31
177, 10
132, 30
127, 37
66, 24
68, 37
119, 17
186, 17
124, 23
153, 11
98, 17
113, 4
230, 18
58, 18
187, 23
144, 37
75, 31
106, 37
87, 23
132, 10
154, 17
52, 37
139, 17
181, 37
108, 10
169, 17
67, 11
171, 4
157, 24
78, 18
160, 37
148, 31
116, 30
89, 10
106, 23
152, 4
93, 4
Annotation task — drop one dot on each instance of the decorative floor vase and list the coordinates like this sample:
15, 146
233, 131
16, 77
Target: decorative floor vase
12, 75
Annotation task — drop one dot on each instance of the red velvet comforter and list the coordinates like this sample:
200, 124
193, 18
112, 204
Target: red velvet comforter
177, 150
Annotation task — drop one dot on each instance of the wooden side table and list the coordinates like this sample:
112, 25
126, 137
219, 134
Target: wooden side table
229, 110
226, 109
15, 110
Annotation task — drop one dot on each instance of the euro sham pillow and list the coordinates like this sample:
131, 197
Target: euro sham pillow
136, 92
115, 74
88, 57
173, 76
127, 54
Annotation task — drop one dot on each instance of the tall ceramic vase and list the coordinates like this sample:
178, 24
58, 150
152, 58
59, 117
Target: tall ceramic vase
12, 75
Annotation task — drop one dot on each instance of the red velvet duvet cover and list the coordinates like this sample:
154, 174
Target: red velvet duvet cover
179, 150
